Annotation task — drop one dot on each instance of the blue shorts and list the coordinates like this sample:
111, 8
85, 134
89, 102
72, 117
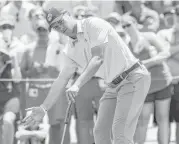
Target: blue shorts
160, 95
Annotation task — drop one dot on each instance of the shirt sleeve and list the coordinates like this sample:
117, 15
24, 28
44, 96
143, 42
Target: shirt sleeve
67, 61
98, 35
53, 54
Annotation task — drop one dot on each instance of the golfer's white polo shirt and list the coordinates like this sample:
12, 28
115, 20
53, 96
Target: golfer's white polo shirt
93, 33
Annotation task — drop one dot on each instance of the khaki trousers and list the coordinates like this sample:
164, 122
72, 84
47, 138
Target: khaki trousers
120, 108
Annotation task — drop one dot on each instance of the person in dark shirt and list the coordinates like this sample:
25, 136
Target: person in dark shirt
10, 48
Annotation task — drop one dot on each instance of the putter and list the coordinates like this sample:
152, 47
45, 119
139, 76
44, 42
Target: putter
67, 120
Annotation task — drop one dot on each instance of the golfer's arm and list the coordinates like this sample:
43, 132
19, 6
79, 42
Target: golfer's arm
58, 87
90, 71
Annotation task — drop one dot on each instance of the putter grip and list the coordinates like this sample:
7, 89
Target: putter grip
68, 113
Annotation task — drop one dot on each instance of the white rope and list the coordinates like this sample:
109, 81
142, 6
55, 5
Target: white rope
42, 80
27, 80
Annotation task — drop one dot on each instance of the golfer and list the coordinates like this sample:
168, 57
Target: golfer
96, 49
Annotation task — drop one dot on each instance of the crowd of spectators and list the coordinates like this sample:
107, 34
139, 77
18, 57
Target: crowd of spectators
30, 60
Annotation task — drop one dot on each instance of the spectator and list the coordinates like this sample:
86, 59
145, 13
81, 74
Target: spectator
175, 3
10, 90
100, 8
10, 43
38, 2
159, 6
37, 134
122, 7
79, 12
115, 20
34, 65
39, 29
167, 18
150, 50
86, 3
147, 18
20, 10
170, 36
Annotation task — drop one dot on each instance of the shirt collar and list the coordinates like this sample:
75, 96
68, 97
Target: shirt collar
80, 31
80, 27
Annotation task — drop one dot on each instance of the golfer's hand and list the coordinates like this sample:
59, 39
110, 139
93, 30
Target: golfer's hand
34, 118
72, 92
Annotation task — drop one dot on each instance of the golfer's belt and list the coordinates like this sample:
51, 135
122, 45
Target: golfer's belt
122, 76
